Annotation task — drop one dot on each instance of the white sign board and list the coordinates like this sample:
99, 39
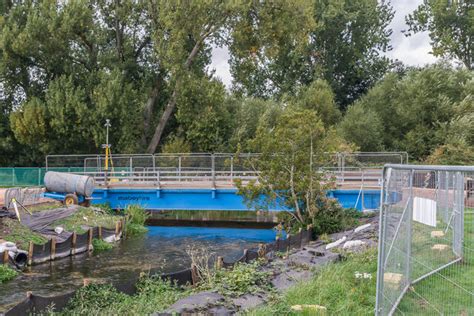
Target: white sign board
424, 211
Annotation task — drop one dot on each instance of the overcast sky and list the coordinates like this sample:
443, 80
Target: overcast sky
413, 50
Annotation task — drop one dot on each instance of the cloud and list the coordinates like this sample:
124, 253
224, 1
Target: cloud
413, 50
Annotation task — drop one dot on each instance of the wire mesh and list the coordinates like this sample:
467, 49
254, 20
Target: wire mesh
426, 258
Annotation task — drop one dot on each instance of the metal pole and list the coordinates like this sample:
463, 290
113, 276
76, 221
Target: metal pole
213, 167
232, 169
179, 168
409, 230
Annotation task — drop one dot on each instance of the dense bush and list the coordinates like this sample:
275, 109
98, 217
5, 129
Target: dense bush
136, 218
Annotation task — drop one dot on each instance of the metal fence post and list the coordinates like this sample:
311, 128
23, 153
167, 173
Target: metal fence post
381, 245
213, 167
179, 168
409, 229
13, 176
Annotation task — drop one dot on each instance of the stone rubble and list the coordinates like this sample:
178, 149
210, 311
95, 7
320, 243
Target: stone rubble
298, 266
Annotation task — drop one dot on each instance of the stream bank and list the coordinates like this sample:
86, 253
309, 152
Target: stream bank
285, 271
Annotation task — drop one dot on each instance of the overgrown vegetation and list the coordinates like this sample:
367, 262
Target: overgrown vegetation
153, 294
7, 274
14, 231
87, 217
344, 288
136, 217
101, 245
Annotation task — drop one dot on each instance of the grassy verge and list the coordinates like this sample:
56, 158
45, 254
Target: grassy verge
86, 216
14, 231
341, 287
6, 274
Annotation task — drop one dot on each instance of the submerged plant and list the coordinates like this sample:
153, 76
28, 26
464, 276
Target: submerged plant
101, 245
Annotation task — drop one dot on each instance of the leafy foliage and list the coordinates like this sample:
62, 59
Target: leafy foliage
136, 218
420, 111
450, 25
7, 274
291, 154
153, 294
101, 245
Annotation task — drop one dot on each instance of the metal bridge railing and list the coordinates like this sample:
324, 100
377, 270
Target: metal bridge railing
426, 241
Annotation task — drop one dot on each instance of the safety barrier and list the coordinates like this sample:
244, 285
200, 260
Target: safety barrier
74, 244
426, 241
37, 304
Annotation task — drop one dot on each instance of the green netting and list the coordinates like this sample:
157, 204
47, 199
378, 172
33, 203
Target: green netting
26, 177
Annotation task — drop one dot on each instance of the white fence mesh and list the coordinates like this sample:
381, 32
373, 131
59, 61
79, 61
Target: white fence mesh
426, 245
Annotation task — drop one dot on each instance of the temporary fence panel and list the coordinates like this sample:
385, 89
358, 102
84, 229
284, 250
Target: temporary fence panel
426, 241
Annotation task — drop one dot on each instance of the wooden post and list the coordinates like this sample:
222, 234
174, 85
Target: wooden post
277, 243
30, 253
5, 257
100, 232
117, 229
53, 248
73, 243
220, 262
194, 274
89, 240
300, 233
261, 251
289, 242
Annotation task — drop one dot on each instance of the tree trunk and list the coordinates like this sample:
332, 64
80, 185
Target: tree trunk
155, 141
162, 123
148, 111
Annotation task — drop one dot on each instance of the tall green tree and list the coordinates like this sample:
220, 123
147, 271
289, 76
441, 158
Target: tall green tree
184, 35
416, 112
340, 41
450, 25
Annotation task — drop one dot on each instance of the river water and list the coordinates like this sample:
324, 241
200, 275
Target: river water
163, 248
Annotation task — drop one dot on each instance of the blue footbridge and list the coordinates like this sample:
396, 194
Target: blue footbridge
208, 181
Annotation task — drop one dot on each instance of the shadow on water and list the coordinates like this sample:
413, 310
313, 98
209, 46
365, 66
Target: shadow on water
163, 248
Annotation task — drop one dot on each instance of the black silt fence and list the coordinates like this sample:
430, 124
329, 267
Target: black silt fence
37, 304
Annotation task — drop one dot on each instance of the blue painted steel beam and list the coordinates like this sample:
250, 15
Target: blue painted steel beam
212, 199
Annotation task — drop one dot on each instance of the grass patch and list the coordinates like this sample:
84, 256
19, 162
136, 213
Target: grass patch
153, 294
86, 216
101, 245
14, 231
7, 273
336, 286
444, 292
136, 218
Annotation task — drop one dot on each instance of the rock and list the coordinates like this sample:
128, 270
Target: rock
285, 280
355, 245
362, 227
218, 311
440, 247
315, 309
336, 243
199, 301
58, 230
247, 301
437, 234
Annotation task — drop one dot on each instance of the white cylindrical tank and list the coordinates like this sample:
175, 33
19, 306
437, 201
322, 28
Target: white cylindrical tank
69, 183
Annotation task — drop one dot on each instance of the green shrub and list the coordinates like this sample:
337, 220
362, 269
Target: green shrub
136, 218
153, 295
241, 279
7, 274
101, 245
